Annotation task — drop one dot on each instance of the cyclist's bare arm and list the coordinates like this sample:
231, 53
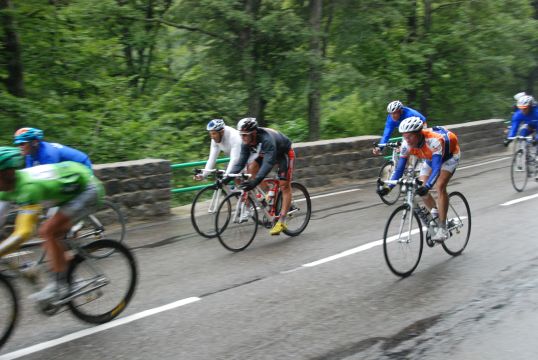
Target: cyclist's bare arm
25, 224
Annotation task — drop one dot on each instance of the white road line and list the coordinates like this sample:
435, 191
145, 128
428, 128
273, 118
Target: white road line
355, 250
80, 334
334, 193
512, 202
484, 163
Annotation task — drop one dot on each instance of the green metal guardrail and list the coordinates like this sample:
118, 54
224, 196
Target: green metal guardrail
193, 164
388, 157
220, 161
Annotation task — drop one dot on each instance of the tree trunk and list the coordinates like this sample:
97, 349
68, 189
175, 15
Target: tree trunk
428, 70
533, 75
12, 51
411, 94
314, 93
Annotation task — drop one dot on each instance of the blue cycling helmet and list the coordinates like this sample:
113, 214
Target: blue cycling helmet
215, 125
27, 134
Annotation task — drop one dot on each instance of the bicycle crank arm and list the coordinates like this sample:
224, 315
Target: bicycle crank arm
85, 289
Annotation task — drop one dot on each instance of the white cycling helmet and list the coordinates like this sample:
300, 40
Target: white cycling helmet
247, 125
394, 106
215, 125
411, 124
525, 101
519, 95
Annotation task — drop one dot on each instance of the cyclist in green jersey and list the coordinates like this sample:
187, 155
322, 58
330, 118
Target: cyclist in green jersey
69, 185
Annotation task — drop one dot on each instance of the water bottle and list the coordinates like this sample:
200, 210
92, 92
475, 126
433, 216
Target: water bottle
270, 196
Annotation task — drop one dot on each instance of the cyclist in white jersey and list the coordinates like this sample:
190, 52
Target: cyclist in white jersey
225, 139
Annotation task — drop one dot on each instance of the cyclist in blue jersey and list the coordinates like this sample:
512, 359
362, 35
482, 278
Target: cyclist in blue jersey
397, 113
39, 152
527, 114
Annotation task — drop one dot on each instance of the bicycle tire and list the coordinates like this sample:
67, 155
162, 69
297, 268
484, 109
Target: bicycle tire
392, 245
9, 309
385, 173
519, 171
83, 306
235, 229
456, 222
107, 222
297, 210
203, 222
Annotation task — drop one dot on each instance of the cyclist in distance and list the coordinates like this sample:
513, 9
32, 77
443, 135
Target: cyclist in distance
440, 149
223, 138
267, 147
69, 185
527, 114
39, 152
396, 114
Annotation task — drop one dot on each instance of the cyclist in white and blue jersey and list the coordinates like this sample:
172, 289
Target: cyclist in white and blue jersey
527, 114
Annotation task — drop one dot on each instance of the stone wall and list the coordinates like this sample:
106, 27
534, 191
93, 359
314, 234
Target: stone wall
142, 187
330, 162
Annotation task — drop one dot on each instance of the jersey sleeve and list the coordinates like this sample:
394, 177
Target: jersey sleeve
516, 122
389, 128
212, 160
235, 153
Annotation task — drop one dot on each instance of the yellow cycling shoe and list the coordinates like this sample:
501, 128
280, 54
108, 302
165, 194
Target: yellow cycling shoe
278, 228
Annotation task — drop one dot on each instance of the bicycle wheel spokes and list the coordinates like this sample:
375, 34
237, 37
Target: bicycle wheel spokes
204, 209
105, 284
8, 309
402, 241
458, 224
236, 222
385, 174
300, 210
519, 170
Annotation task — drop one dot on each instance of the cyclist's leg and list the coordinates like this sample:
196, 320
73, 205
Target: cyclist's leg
53, 230
285, 174
425, 172
447, 170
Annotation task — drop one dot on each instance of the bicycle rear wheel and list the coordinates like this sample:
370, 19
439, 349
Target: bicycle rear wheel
204, 209
236, 222
300, 210
458, 224
105, 284
385, 174
107, 222
519, 171
9, 308
403, 241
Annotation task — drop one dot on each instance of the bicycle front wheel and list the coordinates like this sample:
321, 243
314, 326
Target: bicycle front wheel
107, 222
385, 174
204, 209
236, 222
458, 224
403, 241
103, 285
9, 309
300, 210
519, 171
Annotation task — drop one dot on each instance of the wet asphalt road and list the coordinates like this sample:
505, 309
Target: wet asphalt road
263, 304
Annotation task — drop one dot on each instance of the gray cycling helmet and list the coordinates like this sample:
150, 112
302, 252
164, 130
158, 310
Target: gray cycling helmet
525, 101
411, 124
394, 106
215, 125
247, 125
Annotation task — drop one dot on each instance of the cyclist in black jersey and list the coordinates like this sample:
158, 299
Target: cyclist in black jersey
262, 149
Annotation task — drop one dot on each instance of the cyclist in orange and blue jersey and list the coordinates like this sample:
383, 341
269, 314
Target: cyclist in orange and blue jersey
527, 114
440, 149
39, 152
397, 113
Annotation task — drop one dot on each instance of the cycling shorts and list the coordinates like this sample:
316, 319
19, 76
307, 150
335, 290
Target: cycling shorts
286, 165
83, 204
450, 165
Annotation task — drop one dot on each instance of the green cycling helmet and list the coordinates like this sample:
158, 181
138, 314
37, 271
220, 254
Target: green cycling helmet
10, 158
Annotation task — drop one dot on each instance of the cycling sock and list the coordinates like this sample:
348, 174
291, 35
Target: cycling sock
434, 212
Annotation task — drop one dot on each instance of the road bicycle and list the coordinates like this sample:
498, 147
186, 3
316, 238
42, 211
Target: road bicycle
205, 203
241, 212
106, 222
388, 168
410, 223
523, 161
100, 287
